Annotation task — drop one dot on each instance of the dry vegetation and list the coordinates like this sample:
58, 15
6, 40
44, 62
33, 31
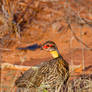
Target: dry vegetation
67, 22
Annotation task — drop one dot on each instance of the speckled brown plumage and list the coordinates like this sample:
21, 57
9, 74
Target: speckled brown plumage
49, 75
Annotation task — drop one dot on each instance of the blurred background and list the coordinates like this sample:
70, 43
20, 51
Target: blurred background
25, 22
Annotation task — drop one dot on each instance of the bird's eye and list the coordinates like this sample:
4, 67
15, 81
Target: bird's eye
50, 45
47, 45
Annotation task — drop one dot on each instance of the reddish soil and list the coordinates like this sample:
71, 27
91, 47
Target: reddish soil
45, 25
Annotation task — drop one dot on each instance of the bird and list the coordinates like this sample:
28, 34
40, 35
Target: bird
50, 75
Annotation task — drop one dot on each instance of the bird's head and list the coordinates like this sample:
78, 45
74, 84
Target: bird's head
51, 47
48, 46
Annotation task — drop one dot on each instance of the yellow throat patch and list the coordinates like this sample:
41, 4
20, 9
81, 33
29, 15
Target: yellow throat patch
54, 54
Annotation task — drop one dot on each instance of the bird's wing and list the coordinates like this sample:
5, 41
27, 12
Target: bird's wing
32, 77
41, 74
27, 79
43, 71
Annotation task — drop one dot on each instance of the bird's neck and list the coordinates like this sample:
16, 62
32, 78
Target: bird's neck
55, 53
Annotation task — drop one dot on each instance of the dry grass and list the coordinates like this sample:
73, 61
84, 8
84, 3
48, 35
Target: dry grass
31, 19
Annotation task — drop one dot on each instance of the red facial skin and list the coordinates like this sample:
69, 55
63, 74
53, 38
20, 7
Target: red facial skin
46, 46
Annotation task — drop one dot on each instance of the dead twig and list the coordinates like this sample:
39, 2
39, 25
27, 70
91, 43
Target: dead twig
88, 22
69, 26
16, 67
5, 49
